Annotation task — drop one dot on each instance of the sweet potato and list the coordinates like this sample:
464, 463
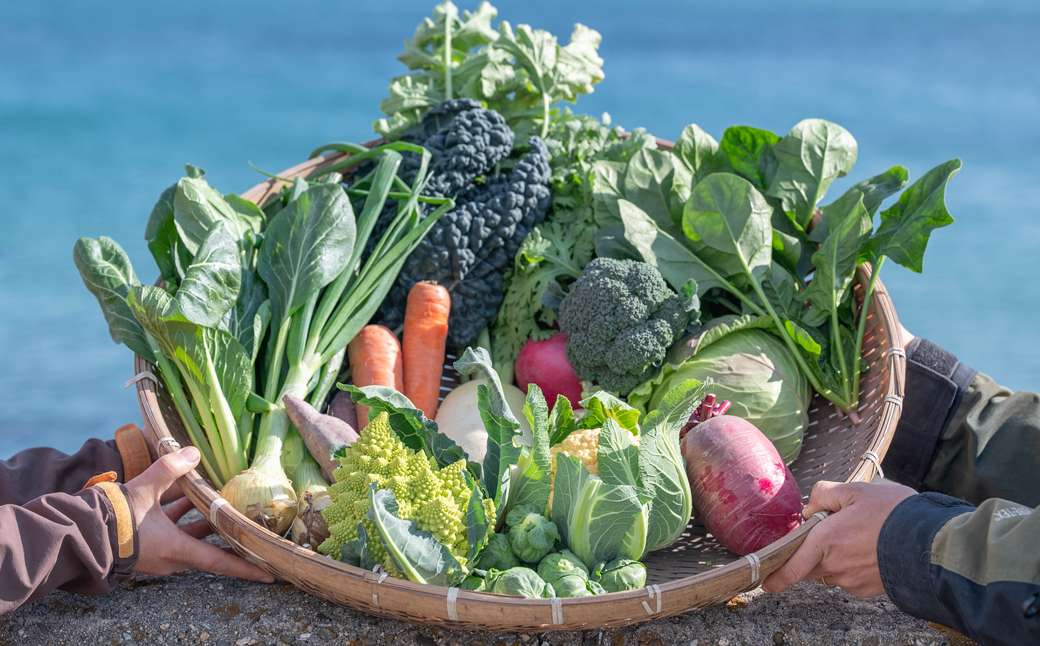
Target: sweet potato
742, 491
320, 433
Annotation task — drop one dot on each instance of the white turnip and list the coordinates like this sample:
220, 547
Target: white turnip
742, 491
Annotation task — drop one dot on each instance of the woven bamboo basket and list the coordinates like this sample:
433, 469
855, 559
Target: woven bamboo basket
694, 572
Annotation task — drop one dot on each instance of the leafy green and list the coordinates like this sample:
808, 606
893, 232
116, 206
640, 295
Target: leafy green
531, 535
533, 480
356, 552
477, 525
561, 421
414, 429
108, 275
496, 554
415, 553
520, 582
601, 405
164, 242
198, 207
212, 282
809, 158
698, 153
873, 190
749, 152
620, 575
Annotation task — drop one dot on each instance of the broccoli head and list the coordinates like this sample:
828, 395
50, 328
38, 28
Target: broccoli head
619, 318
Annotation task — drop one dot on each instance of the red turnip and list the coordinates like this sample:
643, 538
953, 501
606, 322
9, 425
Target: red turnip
545, 364
742, 491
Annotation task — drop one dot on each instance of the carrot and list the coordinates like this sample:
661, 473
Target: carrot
425, 335
375, 360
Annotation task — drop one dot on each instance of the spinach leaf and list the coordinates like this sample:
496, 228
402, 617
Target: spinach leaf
414, 429
873, 190
809, 158
108, 275
212, 282
727, 225
698, 152
307, 245
836, 263
750, 154
658, 187
783, 293
662, 250
906, 227
416, 554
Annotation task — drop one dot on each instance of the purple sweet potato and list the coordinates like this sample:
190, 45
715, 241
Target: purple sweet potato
742, 491
342, 406
320, 432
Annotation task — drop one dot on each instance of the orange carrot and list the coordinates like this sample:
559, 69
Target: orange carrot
375, 360
425, 335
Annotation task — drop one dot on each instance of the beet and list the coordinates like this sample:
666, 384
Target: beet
545, 363
742, 491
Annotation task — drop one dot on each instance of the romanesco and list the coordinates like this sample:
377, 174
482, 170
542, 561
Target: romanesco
435, 498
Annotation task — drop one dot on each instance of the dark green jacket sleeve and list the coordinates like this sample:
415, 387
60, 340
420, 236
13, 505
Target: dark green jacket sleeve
967, 441
963, 435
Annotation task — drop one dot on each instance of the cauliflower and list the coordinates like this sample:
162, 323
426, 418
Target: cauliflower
584, 445
435, 498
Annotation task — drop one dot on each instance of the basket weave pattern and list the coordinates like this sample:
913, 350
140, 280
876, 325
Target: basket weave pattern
694, 572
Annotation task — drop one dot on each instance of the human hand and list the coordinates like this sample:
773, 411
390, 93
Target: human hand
842, 549
163, 547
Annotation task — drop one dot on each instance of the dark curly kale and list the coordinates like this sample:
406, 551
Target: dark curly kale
469, 249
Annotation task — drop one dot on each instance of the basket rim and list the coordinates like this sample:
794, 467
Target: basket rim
468, 609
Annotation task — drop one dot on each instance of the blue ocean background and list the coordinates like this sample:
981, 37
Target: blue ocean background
102, 103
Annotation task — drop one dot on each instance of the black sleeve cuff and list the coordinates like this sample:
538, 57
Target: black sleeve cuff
935, 385
905, 552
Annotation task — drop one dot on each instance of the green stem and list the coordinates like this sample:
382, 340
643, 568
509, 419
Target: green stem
402, 196
862, 327
447, 58
275, 367
328, 379
172, 380
836, 340
201, 398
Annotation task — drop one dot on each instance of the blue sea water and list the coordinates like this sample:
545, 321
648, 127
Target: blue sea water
102, 103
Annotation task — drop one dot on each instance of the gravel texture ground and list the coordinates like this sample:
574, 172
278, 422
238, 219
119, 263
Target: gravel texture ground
196, 608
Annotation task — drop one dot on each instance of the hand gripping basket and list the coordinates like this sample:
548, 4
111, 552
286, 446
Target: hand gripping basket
692, 573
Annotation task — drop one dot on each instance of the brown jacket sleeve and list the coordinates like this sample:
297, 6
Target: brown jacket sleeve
83, 543
35, 472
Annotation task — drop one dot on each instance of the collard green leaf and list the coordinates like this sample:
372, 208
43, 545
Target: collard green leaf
561, 421
601, 406
307, 245
750, 154
593, 518
809, 158
873, 190
662, 469
618, 457
476, 519
727, 225
533, 481
415, 553
356, 552
660, 249
414, 429
698, 152
906, 227
836, 263
211, 283
108, 275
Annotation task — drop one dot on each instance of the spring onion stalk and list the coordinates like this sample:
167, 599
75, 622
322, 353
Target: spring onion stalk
307, 342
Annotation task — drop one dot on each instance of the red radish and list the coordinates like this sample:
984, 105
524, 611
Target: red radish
545, 363
742, 491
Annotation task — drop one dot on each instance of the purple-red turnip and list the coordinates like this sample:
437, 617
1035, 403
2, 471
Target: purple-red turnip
742, 491
545, 364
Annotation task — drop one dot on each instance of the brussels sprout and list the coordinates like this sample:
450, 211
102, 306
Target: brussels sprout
561, 564
520, 582
496, 554
572, 586
531, 534
473, 582
622, 574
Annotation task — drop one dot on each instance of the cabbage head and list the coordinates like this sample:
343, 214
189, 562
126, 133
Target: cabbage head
519, 582
753, 370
